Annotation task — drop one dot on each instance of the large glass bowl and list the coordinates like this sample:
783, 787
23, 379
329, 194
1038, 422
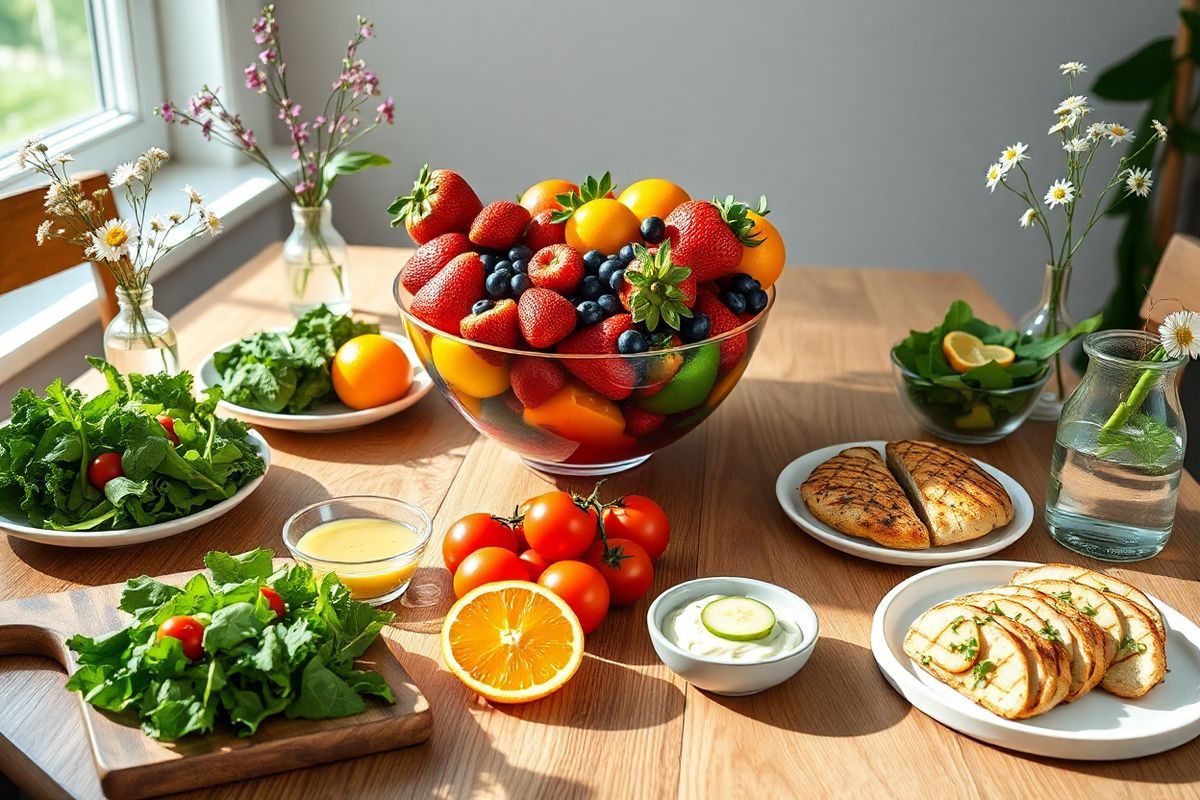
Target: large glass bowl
968, 416
613, 412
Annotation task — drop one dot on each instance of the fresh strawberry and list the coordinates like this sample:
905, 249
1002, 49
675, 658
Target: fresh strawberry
657, 290
543, 231
558, 267
535, 379
612, 377
546, 317
499, 225
497, 325
449, 295
441, 202
709, 236
639, 421
429, 259
722, 320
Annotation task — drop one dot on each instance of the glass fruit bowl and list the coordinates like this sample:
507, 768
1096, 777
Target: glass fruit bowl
968, 416
584, 414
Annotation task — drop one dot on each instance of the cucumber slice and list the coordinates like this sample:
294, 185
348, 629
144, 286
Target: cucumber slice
738, 619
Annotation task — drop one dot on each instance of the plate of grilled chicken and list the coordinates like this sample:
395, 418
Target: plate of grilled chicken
1052, 659
905, 502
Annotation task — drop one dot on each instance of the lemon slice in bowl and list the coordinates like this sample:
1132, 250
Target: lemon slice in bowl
965, 351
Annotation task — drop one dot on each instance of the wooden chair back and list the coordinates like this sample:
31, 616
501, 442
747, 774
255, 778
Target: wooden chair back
1177, 280
22, 261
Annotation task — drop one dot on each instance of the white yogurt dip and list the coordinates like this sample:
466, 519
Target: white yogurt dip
684, 629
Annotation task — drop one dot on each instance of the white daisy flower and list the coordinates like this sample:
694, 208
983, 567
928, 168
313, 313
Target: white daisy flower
43, 233
1028, 217
155, 157
1063, 123
995, 174
1116, 132
1180, 333
25, 151
1073, 68
1097, 129
1075, 106
1077, 145
1137, 181
64, 158
175, 217
156, 225
195, 197
210, 221
1012, 155
1060, 193
1160, 130
112, 242
125, 174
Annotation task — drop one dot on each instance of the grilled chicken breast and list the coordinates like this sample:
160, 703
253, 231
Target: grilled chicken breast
854, 493
956, 499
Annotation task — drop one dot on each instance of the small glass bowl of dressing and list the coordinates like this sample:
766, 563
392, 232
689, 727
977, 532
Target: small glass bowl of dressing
372, 543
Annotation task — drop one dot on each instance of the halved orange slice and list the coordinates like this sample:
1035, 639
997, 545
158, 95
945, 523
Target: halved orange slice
512, 641
966, 351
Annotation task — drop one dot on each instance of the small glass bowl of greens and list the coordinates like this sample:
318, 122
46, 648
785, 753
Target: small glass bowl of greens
986, 402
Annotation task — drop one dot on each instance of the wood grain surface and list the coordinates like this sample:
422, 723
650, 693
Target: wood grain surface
625, 726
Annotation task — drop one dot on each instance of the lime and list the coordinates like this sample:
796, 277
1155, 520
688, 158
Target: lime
690, 386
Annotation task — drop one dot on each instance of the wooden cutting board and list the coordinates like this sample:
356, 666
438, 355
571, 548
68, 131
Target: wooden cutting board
132, 765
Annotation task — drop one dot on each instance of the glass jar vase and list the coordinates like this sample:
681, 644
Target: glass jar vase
1049, 318
1118, 453
315, 258
140, 339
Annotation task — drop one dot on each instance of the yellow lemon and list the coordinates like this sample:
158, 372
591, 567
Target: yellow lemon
965, 351
463, 369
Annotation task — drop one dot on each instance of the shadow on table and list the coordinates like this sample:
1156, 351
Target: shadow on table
827, 697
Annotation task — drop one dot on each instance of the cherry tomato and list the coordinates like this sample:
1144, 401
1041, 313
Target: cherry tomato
168, 424
582, 587
640, 519
274, 600
104, 468
535, 562
188, 630
627, 570
473, 532
557, 527
488, 565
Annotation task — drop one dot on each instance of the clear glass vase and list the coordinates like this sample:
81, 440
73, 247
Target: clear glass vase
315, 258
1048, 318
139, 339
1118, 453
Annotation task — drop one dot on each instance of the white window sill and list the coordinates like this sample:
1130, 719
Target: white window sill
36, 319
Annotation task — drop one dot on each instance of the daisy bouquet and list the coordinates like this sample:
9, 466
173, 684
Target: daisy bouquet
1178, 336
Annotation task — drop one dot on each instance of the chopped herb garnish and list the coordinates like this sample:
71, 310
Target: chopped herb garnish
981, 671
925, 661
1064, 596
1131, 645
1017, 617
954, 625
1091, 612
968, 648
1048, 632
994, 608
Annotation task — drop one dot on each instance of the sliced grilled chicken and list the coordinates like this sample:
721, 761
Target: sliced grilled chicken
1097, 580
1141, 662
854, 493
956, 499
946, 637
1018, 611
1092, 604
1050, 672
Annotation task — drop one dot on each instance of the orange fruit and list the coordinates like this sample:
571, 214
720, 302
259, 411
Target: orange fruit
965, 351
580, 415
370, 370
653, 197
540, 196
512, 641
765, 262
602, 224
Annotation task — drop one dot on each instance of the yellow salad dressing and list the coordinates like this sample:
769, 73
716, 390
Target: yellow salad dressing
362, 540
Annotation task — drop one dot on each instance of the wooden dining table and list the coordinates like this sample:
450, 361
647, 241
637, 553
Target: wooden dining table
625, 725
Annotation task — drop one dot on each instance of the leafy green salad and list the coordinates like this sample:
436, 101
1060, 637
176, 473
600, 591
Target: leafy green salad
142, 451
287, 372
254, 642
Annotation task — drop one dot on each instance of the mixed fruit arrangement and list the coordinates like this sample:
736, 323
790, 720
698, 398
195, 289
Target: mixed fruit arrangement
604, 325
532, 585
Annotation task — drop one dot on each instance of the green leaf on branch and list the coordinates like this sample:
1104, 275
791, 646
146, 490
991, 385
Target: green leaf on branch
345, 162
1140, 76
1143, 436
1041, 349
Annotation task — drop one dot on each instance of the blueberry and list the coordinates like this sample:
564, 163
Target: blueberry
589, 313
519, 283
503, 264
504, 273
489, 262
631, 342
482, 306
743, 283
653, 230
613, 257
734, 301
756, 301
608, 268
610, 304
497, 284
519, 265
694, 328
626, 254
616, 280
520, 252
592, 260
591, 287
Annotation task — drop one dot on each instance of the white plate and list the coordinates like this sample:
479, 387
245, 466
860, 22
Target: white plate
324, 417
20, 528
1097, 727
795, 473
